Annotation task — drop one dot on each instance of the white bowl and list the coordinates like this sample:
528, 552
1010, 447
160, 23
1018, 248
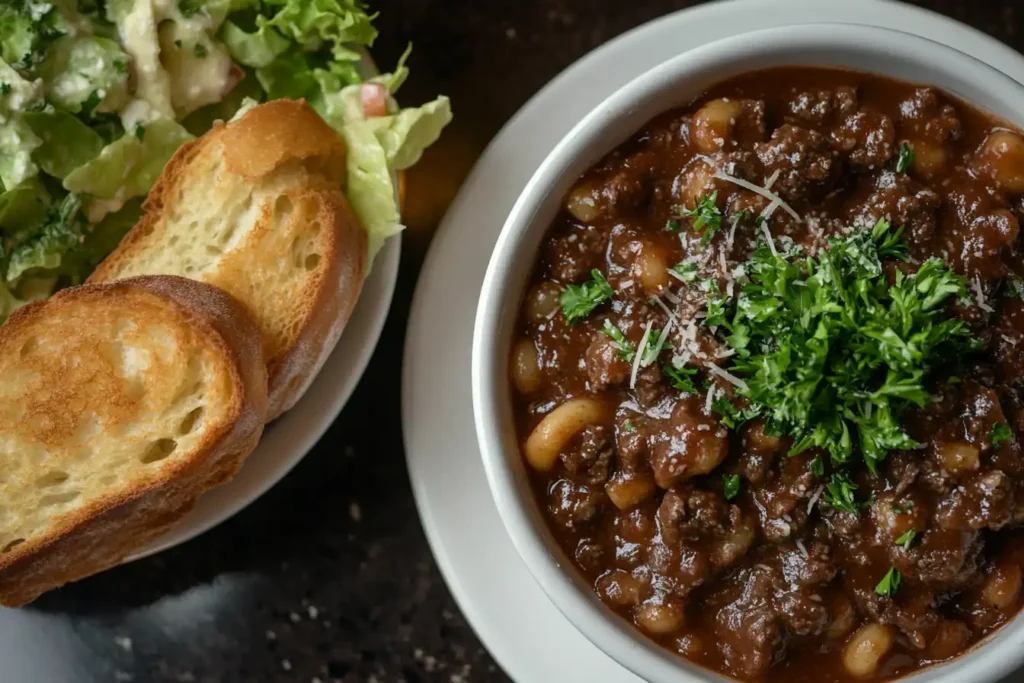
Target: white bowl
675, 83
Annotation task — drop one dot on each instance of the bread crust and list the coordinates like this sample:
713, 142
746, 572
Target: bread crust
102, 532
268, 137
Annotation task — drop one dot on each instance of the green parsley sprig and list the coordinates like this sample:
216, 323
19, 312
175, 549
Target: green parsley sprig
906, 158
729, 415
707, 217
579, 301
626, 351
890, 583
832, 354
839, 493
907, 539
687, 270
731, 486
680, 378
1000, 434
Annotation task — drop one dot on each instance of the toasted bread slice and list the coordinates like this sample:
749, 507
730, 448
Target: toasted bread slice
120, 404
255, 207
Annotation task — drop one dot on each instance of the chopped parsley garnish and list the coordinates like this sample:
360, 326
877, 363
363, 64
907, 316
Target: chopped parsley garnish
906, 539
5, 88
626, 351
832, 354
906, 158
673, 225
839, 493
680, 378
729, 415
199, 50
686, 270
140, 131
178, 43
120, 66
579, 301
954, 380
717, 311
731, 486
628, 426
653, 348
818, 467
890, 583
707, 217
1001, 434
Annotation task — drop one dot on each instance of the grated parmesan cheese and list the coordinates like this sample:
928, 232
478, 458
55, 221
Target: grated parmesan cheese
626, 284
815, 497
770, 210
767, 194
672, 298
657, 299
728, 377
732, 234
640, 354
979, 295
710, 399
676, 275
768, 237
771, 181
801, 548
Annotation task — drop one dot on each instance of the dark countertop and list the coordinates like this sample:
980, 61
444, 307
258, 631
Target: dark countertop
328, 576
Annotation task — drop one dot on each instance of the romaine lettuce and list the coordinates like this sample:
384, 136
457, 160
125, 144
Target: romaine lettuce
16, 144
257, 49
336, 23
76, 67
67, 143
44, 246
17, 35
16, 92
107, 137
23, 207
128, 167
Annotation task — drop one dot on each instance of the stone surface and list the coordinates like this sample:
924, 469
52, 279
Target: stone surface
328, 576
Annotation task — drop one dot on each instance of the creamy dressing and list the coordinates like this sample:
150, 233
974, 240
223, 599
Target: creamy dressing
139, 38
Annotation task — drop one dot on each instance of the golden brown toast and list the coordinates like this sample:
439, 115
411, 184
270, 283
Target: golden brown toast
255, 207
120, 404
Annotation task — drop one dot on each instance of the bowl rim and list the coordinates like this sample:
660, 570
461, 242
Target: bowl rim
629, 108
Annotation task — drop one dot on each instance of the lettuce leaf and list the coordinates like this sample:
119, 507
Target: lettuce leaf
17, 36
17, 141
67, 143
258, 49
129, 166
336, 23
28, 27
405, 135
288, 76
23, 206
17, 93
369, 187
29, 289
379, 146
44, 246
101, 239
76, 67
